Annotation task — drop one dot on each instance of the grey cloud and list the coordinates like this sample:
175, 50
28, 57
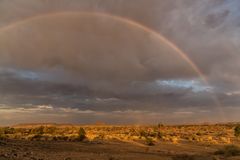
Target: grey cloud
101, 64
215, 19
18, 91
127, 53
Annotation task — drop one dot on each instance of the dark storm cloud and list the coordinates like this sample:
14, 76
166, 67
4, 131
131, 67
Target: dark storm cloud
22, 91
110, 68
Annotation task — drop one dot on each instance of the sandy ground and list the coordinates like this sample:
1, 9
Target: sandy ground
99, 150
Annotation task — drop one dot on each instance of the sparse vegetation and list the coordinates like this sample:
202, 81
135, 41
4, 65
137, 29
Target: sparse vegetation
228, 151
210, 134
154, 136
183, 157
8, 130
192, 157
160, 125
2, 134
49, 130
37, 130
149, 141
237, 131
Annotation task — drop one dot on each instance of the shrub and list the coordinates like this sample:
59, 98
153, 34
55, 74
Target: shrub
8, 130
37, 130
1, 131
143, 133
36, 137
100, 136
2, 135
149, 141
50, 130
148, 133
237, 131
153, 134
81, 134
229, 151
60, 138
160, 135
160, 125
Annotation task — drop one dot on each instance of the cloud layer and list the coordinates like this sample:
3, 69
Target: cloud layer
91, 67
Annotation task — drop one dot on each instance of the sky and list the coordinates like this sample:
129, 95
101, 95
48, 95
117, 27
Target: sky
119, 61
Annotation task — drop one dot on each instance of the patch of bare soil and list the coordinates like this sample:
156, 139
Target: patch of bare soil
102, 150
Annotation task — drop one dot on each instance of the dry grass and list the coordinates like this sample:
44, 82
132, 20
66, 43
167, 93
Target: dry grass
212, 134
185, 142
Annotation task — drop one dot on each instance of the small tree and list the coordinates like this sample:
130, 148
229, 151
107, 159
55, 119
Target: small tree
81, 134
237, 131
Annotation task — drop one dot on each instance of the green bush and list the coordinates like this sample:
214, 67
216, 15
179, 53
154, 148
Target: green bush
81, 134
237, 131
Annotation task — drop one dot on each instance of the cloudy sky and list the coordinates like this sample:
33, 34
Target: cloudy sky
119, 61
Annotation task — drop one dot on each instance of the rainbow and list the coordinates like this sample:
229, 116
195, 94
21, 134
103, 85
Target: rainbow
130, 22
118, 18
